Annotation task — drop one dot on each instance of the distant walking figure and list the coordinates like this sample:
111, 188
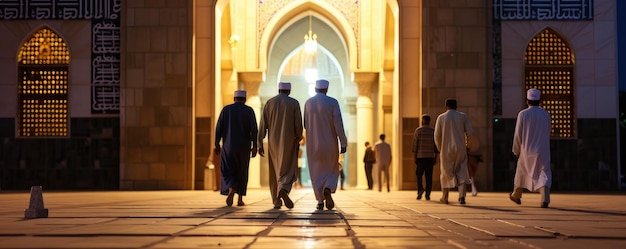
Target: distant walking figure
369, 159
424, 153
382, 150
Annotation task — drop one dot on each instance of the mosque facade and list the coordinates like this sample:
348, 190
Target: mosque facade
125, 94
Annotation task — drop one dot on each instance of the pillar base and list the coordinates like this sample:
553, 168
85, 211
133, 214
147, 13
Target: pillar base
31, 213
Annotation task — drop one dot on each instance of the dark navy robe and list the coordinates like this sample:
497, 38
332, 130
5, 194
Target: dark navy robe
237, 129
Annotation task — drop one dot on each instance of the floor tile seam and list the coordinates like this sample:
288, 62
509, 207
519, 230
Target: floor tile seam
556, 233
403, 217
507, 223
278, 223
470, 227
350, 233
523, 243
566, 235
457, 222
169, 236
98, 234
96, 204
174, 235
599, 237
449, 241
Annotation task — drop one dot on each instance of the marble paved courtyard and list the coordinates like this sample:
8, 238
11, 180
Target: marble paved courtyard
361, 219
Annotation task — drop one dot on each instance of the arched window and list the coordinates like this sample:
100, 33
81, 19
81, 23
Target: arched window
43, 63
549, 67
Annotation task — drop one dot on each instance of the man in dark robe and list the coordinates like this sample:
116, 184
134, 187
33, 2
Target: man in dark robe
237, 129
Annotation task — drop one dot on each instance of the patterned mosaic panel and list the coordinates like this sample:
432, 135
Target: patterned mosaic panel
549, 68
105, 21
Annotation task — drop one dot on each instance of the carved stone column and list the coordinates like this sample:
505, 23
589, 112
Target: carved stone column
364, 113
251, 82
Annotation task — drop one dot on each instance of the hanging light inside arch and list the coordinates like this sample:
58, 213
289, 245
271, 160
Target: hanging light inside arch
310, 39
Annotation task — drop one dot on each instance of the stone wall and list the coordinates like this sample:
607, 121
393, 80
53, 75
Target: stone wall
457, 64
156, 135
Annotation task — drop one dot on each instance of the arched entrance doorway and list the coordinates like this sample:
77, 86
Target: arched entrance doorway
288, 61
359, 59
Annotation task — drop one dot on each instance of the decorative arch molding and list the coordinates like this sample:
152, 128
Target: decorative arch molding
298, 9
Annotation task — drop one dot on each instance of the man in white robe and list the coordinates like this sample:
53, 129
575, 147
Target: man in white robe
281, 121
531, 144
325, 133
452, 129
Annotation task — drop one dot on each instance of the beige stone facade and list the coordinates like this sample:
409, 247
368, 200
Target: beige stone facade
388, 61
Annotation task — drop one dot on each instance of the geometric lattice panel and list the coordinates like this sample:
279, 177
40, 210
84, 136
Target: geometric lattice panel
43, 86
549, 67
44, 48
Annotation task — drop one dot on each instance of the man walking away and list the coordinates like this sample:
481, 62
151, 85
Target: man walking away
424, 152
281, 121
531, 144
324, 127
452, 129
369, 159
237, 129
382, 150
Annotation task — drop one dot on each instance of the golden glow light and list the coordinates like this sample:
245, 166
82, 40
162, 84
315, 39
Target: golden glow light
310, 39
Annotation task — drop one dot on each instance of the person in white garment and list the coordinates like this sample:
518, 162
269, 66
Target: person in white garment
452, 129
531, 144
281, 121
382, 152
325, 139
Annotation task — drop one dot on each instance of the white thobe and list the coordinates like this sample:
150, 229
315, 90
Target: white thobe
382, 152
451, 129
531, 143
324, 128
281, 120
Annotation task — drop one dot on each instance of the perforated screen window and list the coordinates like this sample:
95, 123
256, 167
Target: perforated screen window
43, 86
549, 67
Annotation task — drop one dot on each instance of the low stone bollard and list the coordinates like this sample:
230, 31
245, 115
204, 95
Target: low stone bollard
35, 207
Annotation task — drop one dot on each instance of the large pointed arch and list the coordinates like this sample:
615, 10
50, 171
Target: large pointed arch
291, 12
